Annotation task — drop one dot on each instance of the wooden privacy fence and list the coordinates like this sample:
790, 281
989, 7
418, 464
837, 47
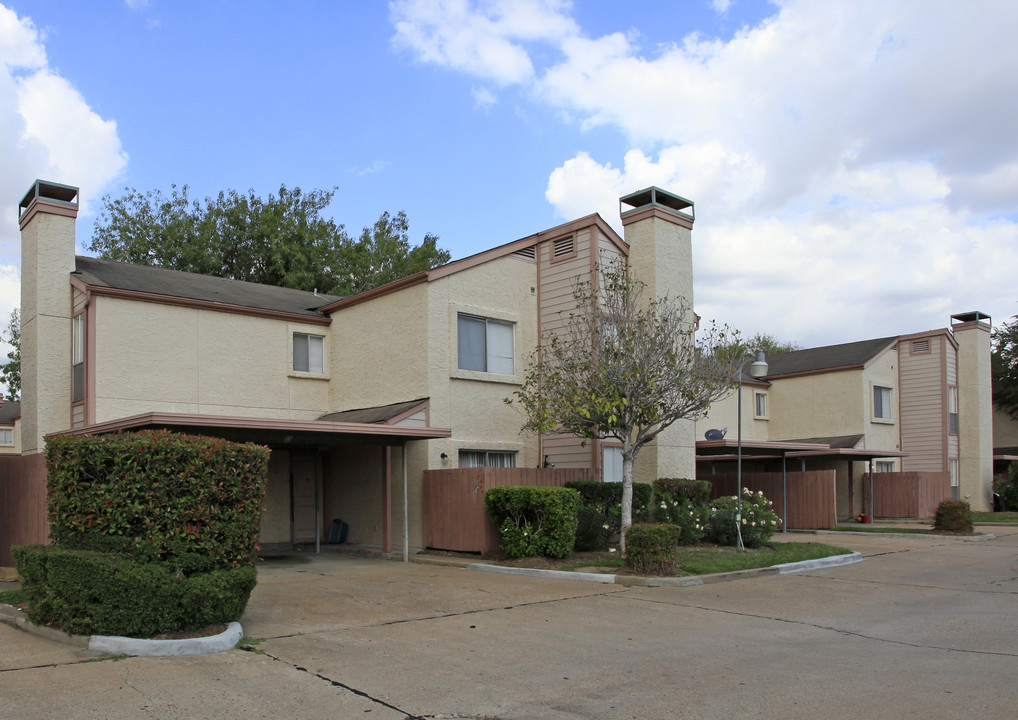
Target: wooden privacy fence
906, 494
811, 495
455, 517
23, 518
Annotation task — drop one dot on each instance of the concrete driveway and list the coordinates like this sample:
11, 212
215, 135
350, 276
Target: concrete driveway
924, 627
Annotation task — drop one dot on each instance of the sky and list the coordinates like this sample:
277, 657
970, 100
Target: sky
853, 163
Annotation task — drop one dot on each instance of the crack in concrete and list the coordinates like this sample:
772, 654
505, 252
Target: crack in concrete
335, 683
840, 631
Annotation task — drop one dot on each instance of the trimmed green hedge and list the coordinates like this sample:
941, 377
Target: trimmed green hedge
685, 490
534, 520
652, 548
601, 506
91, 592
953, 516
195, 494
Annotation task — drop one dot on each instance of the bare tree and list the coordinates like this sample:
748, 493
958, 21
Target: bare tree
625, 367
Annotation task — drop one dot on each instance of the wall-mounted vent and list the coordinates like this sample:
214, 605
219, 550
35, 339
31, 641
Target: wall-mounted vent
920, 346
564, 246
528, 253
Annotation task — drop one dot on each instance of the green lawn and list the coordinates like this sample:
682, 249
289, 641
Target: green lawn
699, 561
707, 561
995, 517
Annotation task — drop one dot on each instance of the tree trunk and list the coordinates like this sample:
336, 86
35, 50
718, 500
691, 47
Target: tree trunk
627, 498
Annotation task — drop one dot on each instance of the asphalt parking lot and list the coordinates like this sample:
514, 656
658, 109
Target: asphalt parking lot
924, 627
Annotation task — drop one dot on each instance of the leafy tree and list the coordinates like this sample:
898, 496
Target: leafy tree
384, 253
624, 367
10, 372
280, 240
764, 342
1004, 367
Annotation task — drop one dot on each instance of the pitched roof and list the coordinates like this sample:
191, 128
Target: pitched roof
10, 411
830, 357
378, 414
835, 441
192, 286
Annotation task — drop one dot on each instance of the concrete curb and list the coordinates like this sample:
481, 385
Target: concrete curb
913, 536
116, 645
687, 581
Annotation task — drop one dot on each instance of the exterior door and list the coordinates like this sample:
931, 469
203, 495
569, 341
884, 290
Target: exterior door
304, 504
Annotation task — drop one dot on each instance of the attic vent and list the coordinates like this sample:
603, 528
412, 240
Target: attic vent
530, 253
563, 246
921, 346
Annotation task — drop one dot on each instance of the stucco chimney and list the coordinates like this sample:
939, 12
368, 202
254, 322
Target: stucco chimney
658, 229
975, 409
46, 215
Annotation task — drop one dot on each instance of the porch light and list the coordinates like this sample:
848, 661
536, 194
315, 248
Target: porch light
757, 369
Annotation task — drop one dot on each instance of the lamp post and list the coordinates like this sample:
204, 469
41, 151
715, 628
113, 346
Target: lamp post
757, 368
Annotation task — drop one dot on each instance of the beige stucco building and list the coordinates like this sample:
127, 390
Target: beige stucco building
913, 402
356, 396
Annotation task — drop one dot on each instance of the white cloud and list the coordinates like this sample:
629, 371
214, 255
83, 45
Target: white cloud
47, 131
851, 161
376, 167
483, 97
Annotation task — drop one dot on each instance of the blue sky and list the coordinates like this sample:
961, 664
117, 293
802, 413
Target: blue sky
854, 164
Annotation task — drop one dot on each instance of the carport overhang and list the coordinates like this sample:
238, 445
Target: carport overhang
286, 434
721, 450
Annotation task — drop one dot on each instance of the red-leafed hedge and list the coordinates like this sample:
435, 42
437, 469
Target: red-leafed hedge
180, 493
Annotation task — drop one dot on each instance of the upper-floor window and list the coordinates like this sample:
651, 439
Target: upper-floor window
882, 402
487, 458
6, 436
308, 353
485, 345
760, 405
952, 409
78, 357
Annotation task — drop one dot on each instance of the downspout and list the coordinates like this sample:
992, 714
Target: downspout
871, 489
406, 510
318, 503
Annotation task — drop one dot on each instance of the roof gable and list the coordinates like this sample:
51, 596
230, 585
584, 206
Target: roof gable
828, 358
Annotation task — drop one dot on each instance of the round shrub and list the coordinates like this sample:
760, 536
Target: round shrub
652, 548
759, 521
953, 516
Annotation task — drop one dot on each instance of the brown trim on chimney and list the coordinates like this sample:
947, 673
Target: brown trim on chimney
90, 335
649, 211
138, 296
49, 207
945, 427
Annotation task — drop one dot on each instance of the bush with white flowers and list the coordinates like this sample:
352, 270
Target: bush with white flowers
759, 521
691, 519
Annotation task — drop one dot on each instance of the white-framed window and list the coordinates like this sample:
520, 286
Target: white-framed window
611, 463
484, 345
881, 402
78, 357
760, 405
308, 353
952, 409
882, 466
954, 471
487, 458
6, 436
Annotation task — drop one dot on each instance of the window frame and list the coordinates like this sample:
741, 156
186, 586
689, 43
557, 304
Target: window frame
487, 455
758, 397
78, 357
952, 410
5, 431
882, 466
879, 406
311, 370
465, 319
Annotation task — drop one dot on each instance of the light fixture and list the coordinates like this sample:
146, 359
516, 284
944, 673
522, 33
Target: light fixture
757, 369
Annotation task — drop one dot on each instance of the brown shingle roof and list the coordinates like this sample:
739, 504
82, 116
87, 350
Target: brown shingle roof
853, 354
192, 286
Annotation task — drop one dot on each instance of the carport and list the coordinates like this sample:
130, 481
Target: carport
302, 439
